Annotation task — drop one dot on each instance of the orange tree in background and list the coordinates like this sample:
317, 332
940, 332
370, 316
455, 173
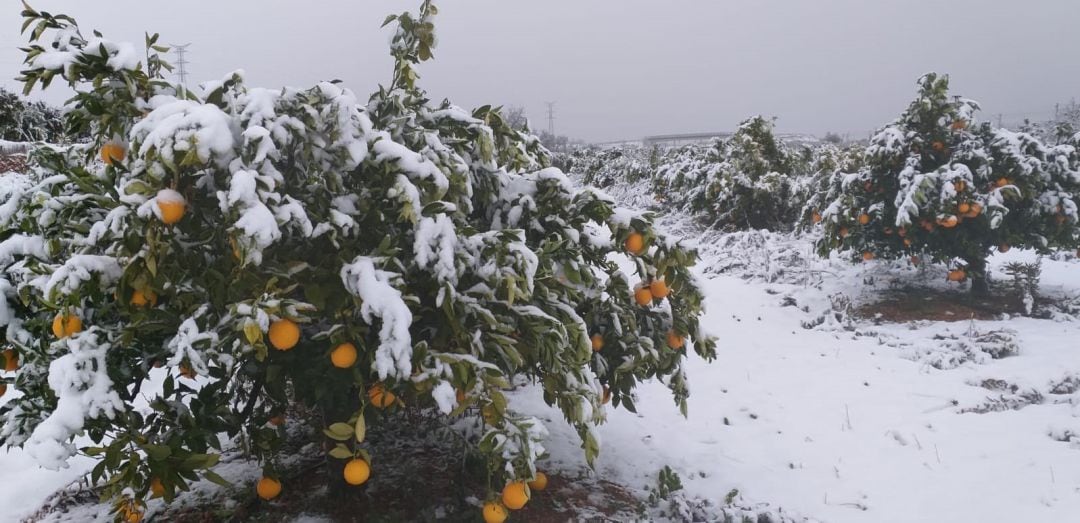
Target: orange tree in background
936, 183
209, 259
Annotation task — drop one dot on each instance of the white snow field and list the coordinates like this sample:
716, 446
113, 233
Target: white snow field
846, 421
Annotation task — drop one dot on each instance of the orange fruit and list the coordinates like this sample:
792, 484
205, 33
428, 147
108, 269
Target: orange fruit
284, 334
3, 389
278, 420
957, 275
976, 209
605, 396
597, 342
11, 360
1001, 182
959, 185
186, 371
659, 289
142, 299
867, 256
963, 208
268, 488
63, 327
843, 232
1003, 248
515, 495
380, 397
938, 146
156, 488
674, 340
357, 472
112, 153
816, 217
494, 512
864, 219
539, 483
949, 222
635, 243
460, 396
172, 206
907, 242
643, 296
343, 356
959, 125
132, 514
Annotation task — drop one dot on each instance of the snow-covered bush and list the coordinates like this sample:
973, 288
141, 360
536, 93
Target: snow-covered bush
23, 121
824, 181
231, 254
606, 167
742, 182
935, 182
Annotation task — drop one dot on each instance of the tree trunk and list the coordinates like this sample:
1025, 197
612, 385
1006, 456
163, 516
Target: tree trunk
980, 286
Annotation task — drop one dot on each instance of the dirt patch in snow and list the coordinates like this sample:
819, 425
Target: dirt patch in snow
927, 303
421, 471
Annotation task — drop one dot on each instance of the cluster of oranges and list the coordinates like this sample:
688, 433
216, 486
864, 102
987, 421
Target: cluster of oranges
284, 335
514, 497
645, 293
171, 204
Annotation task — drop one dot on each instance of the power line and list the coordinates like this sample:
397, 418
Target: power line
551, 118
181, 64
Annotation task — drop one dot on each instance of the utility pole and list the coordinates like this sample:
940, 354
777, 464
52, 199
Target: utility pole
551, 118
181, 65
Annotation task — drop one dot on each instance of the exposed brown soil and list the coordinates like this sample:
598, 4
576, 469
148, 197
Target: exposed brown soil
420, 472
922, 303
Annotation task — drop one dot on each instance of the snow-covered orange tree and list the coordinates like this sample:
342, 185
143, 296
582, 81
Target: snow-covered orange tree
937, 183
209, 259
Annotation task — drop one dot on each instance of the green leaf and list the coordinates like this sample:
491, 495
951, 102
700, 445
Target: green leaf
360, 429
215, 478
341, 452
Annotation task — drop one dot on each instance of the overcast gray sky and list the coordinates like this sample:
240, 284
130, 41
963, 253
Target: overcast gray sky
621, 69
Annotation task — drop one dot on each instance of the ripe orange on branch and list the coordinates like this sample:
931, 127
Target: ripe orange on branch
659, 289
864, 219
343, 356
112, 153
515, 495
540, 483
66, 325
643, 296
142, 299
268, 488
357, 472
284, 334
675, 341
597, 342
635, 243
171, 205
495, 512
380, 397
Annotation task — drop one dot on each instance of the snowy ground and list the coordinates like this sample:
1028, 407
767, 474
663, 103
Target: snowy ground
843, 422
